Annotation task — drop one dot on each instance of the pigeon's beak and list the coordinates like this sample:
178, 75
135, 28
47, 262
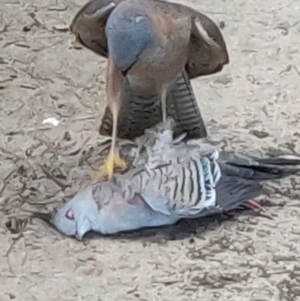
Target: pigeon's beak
77, 236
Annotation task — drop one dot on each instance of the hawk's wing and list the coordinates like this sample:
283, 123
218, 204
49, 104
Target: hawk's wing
208, 51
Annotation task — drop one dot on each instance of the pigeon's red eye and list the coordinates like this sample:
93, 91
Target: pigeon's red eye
70, 214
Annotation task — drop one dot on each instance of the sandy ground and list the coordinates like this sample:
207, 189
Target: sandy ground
253, 103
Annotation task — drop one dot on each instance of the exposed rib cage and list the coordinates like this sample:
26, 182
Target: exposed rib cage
189, 184
140, 112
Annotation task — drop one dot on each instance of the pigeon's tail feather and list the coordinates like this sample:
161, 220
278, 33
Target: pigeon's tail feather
242, 175
234, 192
260, 169
279, 161
241, 180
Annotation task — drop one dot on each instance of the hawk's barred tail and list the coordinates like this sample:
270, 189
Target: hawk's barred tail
140, 112
186, 113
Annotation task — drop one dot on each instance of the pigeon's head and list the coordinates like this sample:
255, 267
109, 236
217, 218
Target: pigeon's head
76, 217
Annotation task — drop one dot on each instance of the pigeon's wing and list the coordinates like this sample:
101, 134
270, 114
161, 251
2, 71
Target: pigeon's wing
175, 180
141, 111
189, 181
230, 194
208, 186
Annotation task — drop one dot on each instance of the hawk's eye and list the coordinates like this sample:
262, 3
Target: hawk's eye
70, 214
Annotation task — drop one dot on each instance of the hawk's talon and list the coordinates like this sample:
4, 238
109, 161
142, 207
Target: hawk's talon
107, 169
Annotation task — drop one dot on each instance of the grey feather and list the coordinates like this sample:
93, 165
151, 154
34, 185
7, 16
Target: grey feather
170, 180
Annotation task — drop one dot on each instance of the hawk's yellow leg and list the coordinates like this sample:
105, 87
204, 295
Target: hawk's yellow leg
113, 160
114, 94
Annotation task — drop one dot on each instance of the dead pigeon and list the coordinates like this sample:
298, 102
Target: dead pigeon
170, 180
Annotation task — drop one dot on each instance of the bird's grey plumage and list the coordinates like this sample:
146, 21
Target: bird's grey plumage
169, 180
140, 108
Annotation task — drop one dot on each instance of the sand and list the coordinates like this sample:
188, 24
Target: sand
253, 103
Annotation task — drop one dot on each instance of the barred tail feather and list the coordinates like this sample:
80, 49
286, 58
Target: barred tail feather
142, 111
